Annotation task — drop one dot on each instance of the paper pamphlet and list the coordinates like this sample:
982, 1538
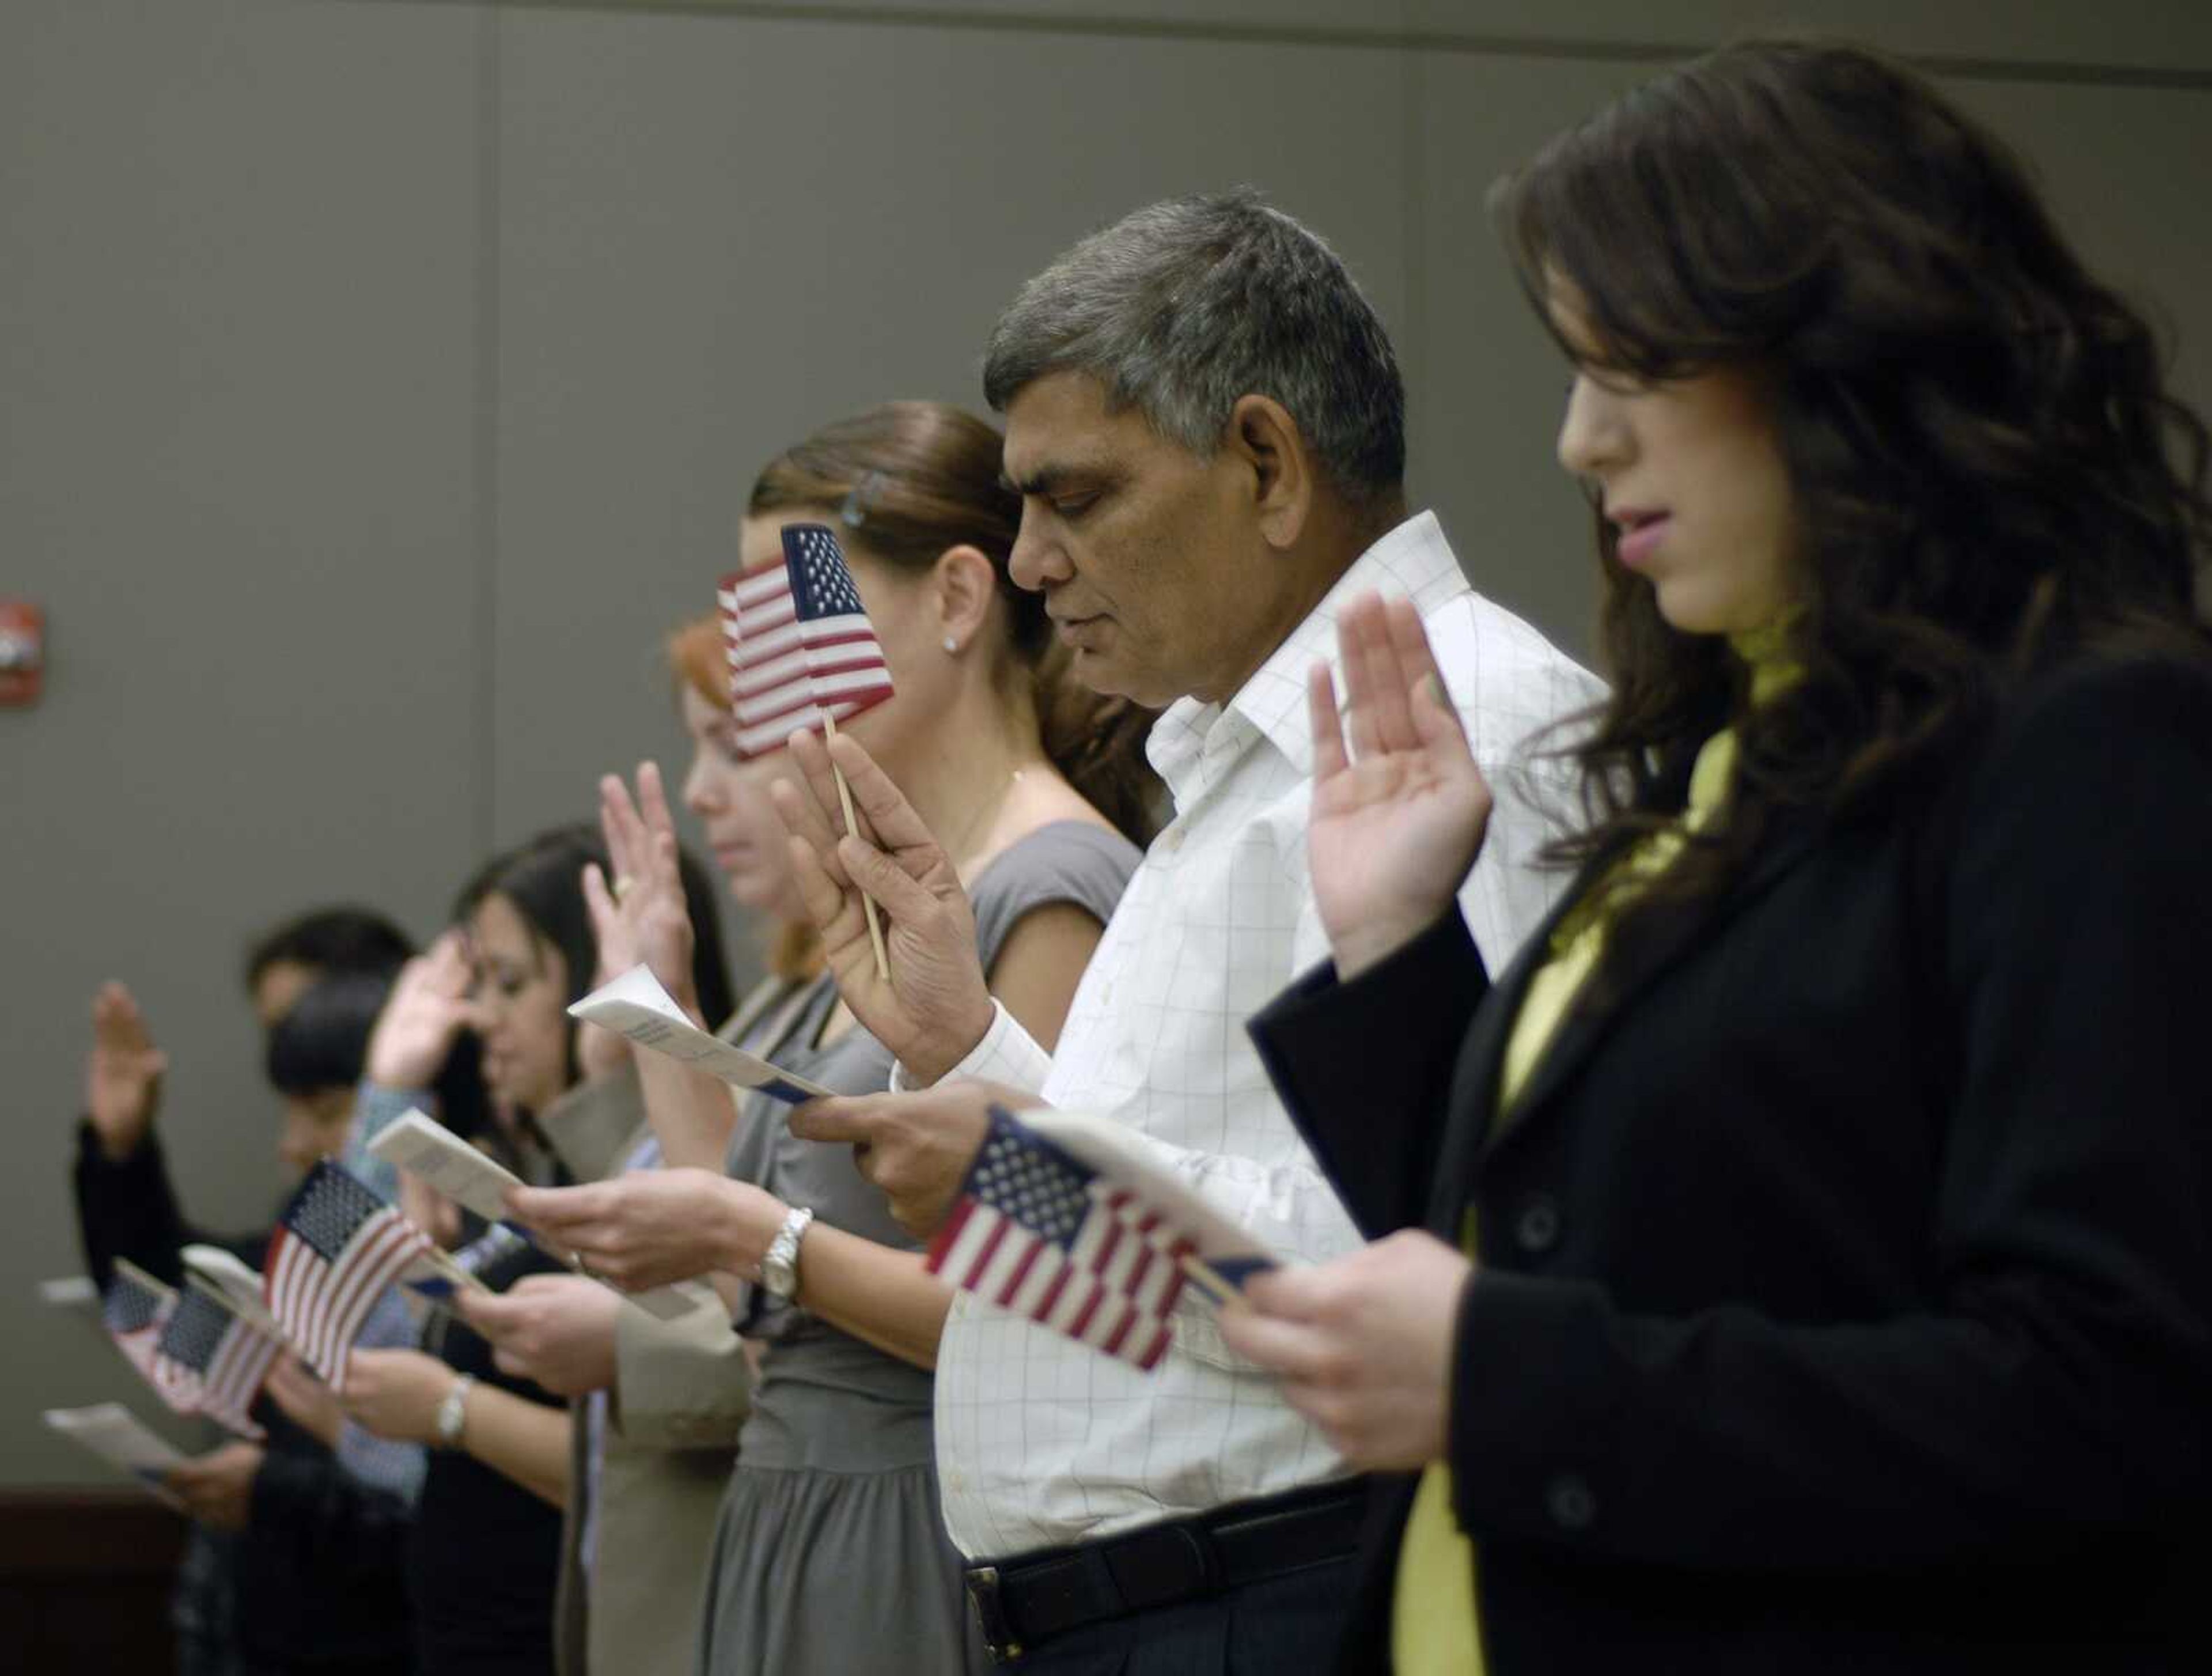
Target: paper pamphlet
635, 1005
239, 1286
74, 1295
117, 1436
1108, 1148
443, 1159
71, 1292
464, 1175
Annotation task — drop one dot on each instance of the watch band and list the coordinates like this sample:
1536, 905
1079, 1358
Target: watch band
453, 1411
780, 1267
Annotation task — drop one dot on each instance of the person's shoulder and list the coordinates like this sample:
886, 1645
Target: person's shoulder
2090, 746
1069, 837
1473, 632
2132, 693
1058, 853
1508, 681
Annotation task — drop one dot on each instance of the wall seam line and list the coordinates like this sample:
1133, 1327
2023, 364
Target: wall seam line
1964, 66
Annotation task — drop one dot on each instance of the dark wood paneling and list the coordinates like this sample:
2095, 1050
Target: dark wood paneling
85, 1577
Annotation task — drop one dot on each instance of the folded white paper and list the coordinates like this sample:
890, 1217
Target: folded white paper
635, 1005
116, 1434
467, 1177
71, 1292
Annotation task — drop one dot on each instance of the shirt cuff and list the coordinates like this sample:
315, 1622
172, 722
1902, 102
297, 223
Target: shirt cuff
1007, 1054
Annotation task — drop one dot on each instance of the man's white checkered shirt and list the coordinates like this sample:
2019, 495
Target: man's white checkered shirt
1041, 1442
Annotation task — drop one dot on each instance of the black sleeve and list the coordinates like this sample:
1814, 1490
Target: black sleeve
1365, 1068
2053, 1390
126, 1207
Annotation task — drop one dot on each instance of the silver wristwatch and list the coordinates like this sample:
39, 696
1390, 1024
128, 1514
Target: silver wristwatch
780, 1268
453, 1411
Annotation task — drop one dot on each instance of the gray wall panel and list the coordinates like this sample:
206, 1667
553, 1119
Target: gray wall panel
2166, 39
235, 431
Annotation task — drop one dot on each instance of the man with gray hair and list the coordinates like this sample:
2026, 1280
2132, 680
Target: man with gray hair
1206, 424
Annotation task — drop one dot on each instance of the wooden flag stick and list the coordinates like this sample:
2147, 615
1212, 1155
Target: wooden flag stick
1203, 1277
126, 1268
853, 826
259, 1320
454, 1271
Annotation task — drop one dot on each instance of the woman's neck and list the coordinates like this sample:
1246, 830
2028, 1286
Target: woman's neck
963, 769
982, 782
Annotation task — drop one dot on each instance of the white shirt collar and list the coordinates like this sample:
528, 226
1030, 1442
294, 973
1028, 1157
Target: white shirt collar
1411, 561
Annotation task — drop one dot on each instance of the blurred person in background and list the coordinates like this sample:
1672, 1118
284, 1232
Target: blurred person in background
293, 1559
486, 1557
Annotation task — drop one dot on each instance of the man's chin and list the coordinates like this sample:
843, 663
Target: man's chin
1111, 679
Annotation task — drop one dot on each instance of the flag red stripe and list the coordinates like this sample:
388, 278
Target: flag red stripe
1043, 1310
1021, 1273
947, 1234
981, 1260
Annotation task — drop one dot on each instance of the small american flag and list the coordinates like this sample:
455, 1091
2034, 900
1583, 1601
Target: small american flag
211, 1361
338, 1246
1043, 1234
134, 1309
798, 643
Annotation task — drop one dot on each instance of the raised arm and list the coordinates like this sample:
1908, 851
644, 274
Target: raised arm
640, 915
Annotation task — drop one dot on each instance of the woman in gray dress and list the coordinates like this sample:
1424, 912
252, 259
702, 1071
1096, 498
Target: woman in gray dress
831, 1555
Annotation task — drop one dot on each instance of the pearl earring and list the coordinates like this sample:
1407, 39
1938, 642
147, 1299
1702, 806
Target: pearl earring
951, 644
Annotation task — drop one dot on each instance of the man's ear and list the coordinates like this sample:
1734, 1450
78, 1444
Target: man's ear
1265, 439
962, 586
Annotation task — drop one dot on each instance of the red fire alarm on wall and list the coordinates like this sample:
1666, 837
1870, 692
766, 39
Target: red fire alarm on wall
22, 651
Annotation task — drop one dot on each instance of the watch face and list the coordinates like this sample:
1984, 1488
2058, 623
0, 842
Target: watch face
776, 1274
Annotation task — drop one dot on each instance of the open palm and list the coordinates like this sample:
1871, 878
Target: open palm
641, 913
1400, 808
123, 1073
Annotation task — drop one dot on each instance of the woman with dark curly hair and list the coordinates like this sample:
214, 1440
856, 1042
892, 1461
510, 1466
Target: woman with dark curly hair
1804, 1250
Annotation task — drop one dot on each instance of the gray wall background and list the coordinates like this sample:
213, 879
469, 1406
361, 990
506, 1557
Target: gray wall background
377, 381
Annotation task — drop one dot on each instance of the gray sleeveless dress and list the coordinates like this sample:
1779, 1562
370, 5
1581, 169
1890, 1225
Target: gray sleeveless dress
830, 1557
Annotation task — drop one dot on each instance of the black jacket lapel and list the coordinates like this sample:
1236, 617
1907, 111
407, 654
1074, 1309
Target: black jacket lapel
1474, 1082
1587, 1021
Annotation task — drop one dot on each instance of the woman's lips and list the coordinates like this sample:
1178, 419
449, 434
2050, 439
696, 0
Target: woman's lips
1641, 538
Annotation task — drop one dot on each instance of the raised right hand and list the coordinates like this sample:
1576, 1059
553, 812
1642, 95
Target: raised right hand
1399, 816
641, 914
428, 1008
122, 1074
935, 1007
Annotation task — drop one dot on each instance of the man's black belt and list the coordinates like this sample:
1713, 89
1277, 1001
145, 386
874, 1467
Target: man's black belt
1030, 1598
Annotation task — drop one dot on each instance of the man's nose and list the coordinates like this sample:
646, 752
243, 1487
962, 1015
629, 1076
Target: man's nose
1037, 558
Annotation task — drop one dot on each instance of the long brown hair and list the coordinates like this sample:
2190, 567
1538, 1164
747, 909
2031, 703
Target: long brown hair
1989, 471
909, 480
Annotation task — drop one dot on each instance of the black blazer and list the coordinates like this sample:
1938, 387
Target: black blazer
1844, 1287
